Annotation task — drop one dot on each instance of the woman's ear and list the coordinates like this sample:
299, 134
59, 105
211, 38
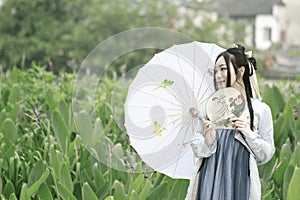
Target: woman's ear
241, 71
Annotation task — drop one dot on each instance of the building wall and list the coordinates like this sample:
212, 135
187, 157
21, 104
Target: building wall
267, 31
249, 30
292, 22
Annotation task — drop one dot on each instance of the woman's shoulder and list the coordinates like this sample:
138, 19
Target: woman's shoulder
260, 106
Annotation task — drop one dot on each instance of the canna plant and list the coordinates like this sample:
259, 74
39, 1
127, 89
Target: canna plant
48, 152
280, 177
43, 155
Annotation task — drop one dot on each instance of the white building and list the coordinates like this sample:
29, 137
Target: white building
267, 31
261, 19
290, 23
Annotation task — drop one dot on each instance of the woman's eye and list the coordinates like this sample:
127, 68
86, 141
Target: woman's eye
223, 68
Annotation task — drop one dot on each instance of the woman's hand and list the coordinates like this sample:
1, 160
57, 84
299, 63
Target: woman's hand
209, 132
239, 124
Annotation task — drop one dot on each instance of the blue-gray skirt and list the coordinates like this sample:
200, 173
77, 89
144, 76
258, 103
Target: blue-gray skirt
225, 174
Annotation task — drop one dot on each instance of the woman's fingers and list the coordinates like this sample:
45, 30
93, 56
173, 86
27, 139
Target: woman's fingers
209, 132
239, 124
210, 136
207, 123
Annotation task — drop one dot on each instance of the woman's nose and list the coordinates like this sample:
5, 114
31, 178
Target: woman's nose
218, 75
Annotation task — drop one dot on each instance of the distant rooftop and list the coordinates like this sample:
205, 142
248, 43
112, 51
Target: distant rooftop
246, 8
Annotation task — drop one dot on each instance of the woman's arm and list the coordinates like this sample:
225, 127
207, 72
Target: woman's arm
204, 143
261, 139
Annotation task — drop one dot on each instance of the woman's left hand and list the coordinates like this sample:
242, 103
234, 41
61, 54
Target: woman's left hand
209, 132
239, 124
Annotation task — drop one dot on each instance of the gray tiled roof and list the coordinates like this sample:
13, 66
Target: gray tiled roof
246, 8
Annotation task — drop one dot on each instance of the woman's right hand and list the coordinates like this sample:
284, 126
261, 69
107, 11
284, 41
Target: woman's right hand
209, 132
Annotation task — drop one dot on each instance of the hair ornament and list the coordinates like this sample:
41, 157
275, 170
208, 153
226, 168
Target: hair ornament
234, 46
249, 54
253, 78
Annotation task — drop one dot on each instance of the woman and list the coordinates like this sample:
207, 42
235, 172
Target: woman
227, 158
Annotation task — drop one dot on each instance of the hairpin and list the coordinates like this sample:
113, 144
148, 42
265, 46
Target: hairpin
249, 54
234, 46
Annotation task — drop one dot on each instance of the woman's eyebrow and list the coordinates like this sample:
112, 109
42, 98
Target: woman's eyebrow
222, 65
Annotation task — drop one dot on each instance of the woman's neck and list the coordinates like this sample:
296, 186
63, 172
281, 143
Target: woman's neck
239, 85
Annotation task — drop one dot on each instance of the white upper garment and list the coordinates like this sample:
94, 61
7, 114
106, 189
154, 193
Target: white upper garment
259, 142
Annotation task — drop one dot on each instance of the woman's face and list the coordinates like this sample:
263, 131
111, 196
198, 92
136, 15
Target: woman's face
221, 73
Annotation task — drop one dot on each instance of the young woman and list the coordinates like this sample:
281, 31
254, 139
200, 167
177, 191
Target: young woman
227, 158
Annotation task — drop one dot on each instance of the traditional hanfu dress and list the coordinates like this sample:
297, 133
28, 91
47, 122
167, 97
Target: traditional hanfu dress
225, 174
227, 170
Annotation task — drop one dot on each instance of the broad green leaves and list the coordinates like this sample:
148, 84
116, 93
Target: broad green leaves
274, 99
87, 193
61, 131
284, 168
9, 130
58, 156
293, 191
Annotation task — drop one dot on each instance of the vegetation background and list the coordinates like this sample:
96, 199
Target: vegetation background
43, 43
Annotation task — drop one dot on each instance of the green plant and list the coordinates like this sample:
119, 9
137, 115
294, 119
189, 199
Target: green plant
47, 153
281, 175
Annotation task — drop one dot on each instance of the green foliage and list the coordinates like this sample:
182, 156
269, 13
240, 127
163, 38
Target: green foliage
87, 193
280, 175
61, 33
293, 190
44, 155
61, 131
9, 130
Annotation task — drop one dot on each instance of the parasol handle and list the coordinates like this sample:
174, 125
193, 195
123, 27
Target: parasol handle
195, 113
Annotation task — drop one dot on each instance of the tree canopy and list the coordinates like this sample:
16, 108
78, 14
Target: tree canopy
60, 33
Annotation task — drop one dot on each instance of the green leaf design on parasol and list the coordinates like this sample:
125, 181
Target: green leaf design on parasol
158, 129
166, 83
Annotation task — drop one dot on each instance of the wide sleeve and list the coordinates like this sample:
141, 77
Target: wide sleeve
261, 141
199, 147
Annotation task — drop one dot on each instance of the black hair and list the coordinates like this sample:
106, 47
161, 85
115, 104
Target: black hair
236, 56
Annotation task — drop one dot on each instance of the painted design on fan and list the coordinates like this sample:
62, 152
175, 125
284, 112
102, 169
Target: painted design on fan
221, 109
224, 105
237, 105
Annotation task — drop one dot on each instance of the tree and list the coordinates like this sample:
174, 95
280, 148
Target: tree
60, 33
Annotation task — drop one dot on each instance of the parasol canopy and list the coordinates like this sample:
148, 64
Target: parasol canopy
164, 102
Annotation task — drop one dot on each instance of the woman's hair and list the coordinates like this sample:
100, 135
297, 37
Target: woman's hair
236, 55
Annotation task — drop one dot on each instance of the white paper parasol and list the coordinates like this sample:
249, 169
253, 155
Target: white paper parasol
161, 104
